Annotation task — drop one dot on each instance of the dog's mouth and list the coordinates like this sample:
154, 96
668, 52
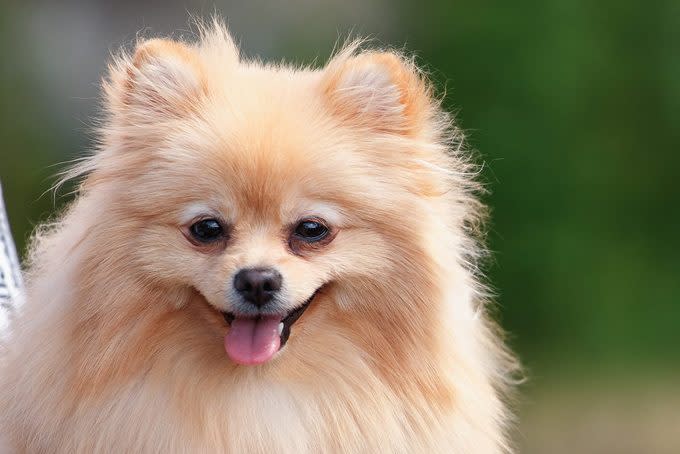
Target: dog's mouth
255, 340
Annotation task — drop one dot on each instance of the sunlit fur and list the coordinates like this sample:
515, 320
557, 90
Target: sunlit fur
119, 347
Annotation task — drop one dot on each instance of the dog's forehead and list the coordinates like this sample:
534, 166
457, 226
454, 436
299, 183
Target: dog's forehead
263, 178
270, 153
265, 159
273, 179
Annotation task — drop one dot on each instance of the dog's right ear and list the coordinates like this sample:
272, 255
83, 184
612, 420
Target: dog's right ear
379, 91
161, 81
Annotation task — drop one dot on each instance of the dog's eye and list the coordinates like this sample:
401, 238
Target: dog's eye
207, 230
311, 231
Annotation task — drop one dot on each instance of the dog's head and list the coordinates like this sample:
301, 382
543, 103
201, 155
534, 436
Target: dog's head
290, 200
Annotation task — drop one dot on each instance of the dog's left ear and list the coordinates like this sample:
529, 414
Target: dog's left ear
162, 80
380, 91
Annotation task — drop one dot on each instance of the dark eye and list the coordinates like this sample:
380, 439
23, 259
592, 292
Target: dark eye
311, 231
207, 230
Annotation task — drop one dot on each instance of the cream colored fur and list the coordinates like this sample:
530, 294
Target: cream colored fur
119, 347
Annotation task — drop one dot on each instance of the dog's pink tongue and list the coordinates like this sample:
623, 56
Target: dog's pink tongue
253, 341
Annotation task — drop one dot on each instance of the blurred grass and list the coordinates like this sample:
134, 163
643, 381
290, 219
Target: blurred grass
598, 416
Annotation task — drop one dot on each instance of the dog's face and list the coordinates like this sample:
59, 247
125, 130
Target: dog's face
280, 196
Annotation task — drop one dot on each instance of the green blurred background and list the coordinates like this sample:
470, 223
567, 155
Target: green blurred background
573, 107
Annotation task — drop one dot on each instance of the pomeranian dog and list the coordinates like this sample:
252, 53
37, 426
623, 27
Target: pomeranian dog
261, 258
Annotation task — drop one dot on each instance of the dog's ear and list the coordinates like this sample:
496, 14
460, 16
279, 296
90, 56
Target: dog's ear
381, 91
161, 81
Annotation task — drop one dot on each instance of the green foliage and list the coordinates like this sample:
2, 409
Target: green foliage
572, 105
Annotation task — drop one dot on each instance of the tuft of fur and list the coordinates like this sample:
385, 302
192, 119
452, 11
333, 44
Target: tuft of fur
118, 347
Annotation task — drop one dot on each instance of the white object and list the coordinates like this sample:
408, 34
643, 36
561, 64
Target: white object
11, 284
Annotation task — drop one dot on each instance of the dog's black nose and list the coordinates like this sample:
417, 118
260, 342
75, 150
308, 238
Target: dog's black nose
258, 285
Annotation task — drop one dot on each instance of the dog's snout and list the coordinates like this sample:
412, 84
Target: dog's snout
258, 285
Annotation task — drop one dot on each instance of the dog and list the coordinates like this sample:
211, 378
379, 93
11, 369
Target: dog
261, 258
